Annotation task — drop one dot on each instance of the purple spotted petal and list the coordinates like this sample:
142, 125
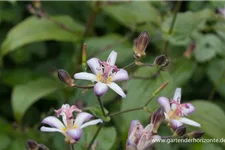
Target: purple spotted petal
177, 95
189, 122
112, 58
81, 118
85, 76
133, 124
130, 145
53, 122
120, 75
164, 102
95, 66
75, 134
100, 89
176, 123
117, 89
187, 108
90, 123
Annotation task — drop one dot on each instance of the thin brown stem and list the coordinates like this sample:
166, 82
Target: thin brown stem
84, 87
101, 105
94, 137
124, 111
71, 146
129, 65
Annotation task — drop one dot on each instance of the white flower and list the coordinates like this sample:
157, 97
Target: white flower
71, 128
175, 111
105, 74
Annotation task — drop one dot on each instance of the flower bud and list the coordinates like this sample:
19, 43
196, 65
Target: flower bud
157, 118
189, 50
161, 61
195, 134
140, 44
31, 145
65, 77
181, 130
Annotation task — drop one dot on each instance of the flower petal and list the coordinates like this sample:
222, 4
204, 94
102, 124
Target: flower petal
120, 75
187, 108
133, 124
177, 95
189, 122
176, 123
85, 76
100, 88
81, 118
112, 58
148, 128
53, 122
75, 134
48, 129
164, 102
94, 65
130, 145
92, 122
117, 89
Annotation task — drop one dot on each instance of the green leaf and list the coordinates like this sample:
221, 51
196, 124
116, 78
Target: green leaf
211, 117
182, 70
96, 111
184, 25
5, 141
105, 139
133, 13
33, 29
23, 96
207, 47
216, 73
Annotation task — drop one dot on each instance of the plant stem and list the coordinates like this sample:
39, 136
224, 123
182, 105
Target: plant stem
84, 87
178, 5
129, 65
124, 111
71, 146
101, 105
94, 137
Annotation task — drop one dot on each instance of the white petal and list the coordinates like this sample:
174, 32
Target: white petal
48, 129
94, 65
120, 75
117, 89
81, 118
148, 128
187, 108
75, 134
177, 95
92, 122
53, 122
189, 122
112, 58
133, 124
176, 123
85, 76
164, 102
100, 88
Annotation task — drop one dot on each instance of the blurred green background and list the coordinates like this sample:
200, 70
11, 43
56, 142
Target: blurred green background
34, 47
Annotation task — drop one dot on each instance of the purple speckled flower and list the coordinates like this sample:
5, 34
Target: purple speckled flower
105, 73
71, 128
175, 111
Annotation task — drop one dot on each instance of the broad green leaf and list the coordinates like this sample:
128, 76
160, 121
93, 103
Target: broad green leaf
5, 141
182, 70
184, 25
207, 47
96, 111
216, 73
211, 117
23, 96
108, 43
105, 139
138, 93
133, 13
33, 29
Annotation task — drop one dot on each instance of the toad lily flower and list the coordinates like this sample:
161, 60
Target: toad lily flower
174, 111
140, 138
105, 74
71, 128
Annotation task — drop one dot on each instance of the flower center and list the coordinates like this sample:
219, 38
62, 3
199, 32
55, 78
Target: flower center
108, 71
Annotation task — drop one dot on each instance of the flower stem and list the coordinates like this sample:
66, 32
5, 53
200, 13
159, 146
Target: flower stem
124, 111
177, 8
101, 105
94, 137
84, 87
71, 146
129, 65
